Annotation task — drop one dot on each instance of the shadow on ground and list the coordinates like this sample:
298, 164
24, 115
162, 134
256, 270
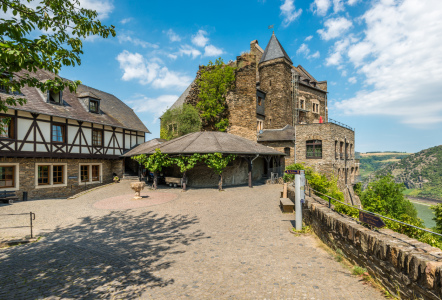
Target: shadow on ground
112, 256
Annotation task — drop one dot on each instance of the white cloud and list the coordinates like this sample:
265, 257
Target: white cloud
125, 21
156, 106
320, 7
123, 38
308, 38
211, 50
344, 73
315, 55
335, 28
338, 5
172, 56
136, 67
173, 37
352, 80
189, 50
352, 2
200, 39
289, 12
303, 49
404, 69
102, 7
335, 58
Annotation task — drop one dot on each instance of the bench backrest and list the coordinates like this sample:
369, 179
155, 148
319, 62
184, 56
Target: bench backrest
5, 194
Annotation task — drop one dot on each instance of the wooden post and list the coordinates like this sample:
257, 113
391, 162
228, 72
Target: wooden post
284, 193
268, 158
249, 161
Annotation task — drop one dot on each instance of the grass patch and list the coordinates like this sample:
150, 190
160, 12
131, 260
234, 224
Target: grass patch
357, 270
304, 230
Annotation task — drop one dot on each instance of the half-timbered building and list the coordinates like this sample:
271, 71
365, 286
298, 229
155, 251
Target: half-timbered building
58, 144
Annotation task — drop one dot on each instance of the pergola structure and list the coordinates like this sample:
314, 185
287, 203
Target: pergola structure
205, 142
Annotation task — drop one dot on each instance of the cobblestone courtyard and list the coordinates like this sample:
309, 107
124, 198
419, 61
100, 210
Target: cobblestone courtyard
203, 244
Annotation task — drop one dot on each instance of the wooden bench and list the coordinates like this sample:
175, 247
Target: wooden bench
8, 196
286, 205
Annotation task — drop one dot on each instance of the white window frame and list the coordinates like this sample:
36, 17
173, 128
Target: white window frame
16, 174
90, 173
51, 180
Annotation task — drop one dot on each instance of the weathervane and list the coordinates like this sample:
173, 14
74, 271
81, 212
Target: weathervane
271, 26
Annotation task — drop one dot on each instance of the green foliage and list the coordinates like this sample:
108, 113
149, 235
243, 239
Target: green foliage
216, 80
437, 216
217, 161
358, 188
46, 37
357, 270
154, 162
384, 196
180, 121
185, 163
297, 166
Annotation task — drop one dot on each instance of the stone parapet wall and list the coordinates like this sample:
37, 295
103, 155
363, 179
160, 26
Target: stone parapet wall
401, 264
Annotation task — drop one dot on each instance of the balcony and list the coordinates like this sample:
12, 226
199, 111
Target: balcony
341, 155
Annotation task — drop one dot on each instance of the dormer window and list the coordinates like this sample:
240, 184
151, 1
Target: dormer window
94, 106
55, 97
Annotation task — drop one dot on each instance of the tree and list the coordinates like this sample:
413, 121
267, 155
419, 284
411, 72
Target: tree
46, 37
384, 196
155, 163
218, 163
185, 163
216, 80
180, 121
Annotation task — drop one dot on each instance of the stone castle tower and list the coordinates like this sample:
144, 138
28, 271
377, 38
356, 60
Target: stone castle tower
285, 107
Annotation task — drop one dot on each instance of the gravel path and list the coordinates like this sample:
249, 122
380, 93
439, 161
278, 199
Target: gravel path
203, 244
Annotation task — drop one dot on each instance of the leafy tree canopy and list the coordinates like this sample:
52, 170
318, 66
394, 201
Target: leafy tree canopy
44, 36
180, 121
217, 161
154, 162
216, 80
185, 163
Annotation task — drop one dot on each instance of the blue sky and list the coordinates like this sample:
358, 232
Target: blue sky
382, 59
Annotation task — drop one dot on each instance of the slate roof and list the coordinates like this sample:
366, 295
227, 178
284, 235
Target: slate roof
208, 142
272, 135
114, 112
144, 146
274, 50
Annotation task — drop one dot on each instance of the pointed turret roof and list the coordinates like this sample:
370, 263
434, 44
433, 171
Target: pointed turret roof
274, 50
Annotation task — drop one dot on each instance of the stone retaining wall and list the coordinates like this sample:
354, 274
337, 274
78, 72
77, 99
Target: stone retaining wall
401, 264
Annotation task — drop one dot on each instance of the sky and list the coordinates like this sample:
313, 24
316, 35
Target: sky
382, 59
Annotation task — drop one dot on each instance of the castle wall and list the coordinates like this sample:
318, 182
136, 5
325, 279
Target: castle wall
310, 95
275, 80
241, 101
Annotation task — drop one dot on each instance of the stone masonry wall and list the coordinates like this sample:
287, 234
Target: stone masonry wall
27, 176
401, 264
275, 80
237, 173
241, 101
309, 94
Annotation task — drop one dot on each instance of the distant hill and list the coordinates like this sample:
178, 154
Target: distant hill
371, 162
420, 172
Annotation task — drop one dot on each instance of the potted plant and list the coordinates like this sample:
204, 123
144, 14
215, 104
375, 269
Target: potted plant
116, 179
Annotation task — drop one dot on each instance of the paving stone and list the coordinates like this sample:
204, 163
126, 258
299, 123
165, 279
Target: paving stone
204, 244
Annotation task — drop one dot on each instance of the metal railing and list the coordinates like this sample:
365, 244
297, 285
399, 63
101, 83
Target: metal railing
372, 213
31, 218
340, 124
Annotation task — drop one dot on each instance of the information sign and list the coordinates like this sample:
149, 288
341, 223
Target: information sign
371, 219
293, 171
